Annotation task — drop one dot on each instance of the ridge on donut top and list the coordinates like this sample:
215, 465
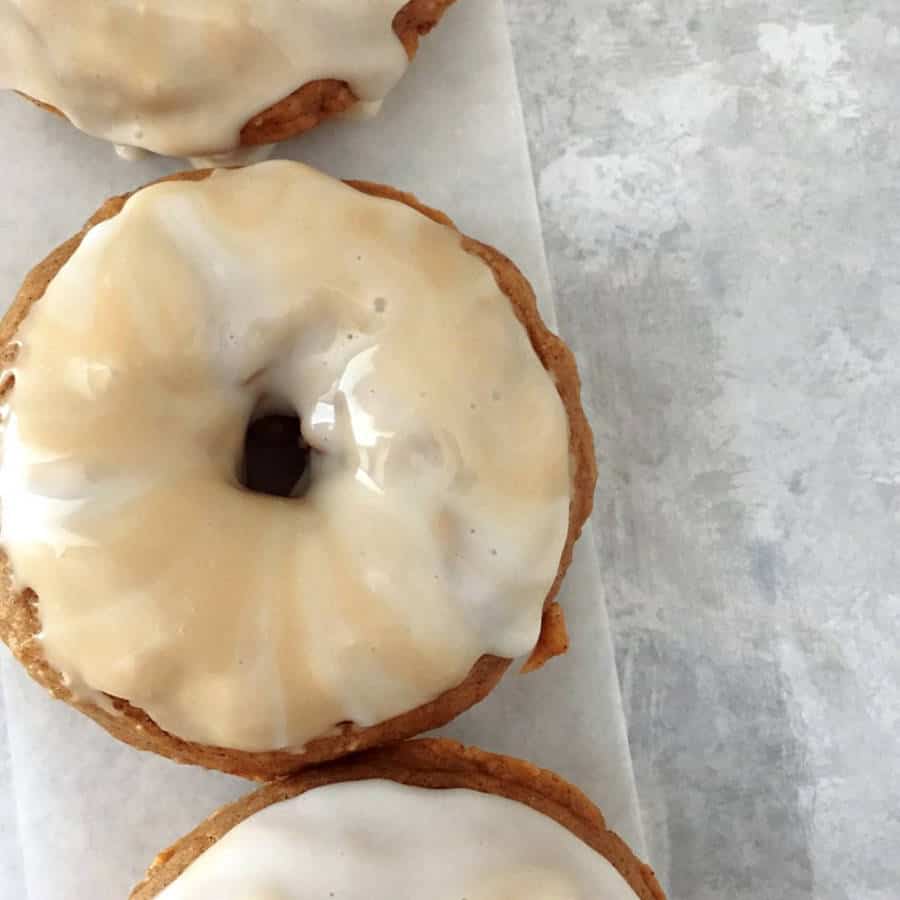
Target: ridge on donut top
419, 819
216, 324
212, 79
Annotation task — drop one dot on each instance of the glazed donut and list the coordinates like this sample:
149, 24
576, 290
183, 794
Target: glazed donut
205, 78
443, 469
420, 819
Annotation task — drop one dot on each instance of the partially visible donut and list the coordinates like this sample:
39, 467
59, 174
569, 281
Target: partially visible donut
205, 79
426, 818
141, 670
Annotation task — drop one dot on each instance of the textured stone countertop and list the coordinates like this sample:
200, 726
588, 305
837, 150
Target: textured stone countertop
720, 189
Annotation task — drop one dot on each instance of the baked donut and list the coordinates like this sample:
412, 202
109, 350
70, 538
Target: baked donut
443, 469
426, 818
201, 79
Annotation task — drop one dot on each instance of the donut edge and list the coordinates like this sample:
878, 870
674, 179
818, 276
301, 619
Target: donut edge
317, 101
20, 621
434, 763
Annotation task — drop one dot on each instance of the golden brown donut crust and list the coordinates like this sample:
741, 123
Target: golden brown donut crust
316, 101
437, 764
19, 611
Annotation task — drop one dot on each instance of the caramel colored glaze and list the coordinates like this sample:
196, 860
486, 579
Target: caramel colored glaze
20, 623
436, 764
318, 101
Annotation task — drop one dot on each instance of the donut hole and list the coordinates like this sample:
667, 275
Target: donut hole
275, 457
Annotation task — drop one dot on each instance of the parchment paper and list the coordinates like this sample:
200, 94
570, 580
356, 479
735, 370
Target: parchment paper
82, 815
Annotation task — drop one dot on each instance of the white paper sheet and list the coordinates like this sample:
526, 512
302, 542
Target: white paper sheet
82, 815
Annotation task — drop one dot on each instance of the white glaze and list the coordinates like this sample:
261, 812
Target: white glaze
377, 840
183, 78
440, 485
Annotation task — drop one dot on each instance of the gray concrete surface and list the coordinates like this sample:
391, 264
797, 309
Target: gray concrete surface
720, 190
